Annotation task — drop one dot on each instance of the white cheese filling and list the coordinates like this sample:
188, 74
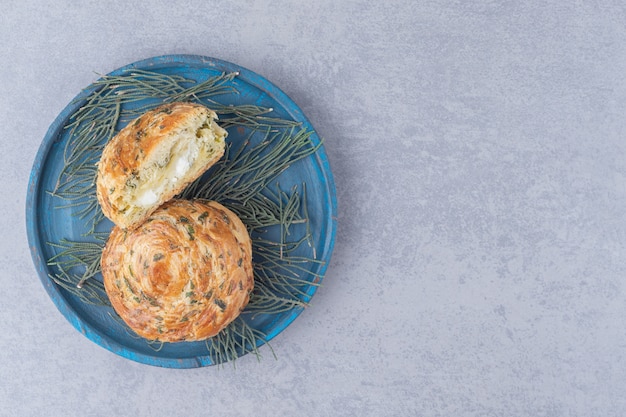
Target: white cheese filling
186, 153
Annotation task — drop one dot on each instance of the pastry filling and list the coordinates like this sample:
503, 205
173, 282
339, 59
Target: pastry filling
183, 155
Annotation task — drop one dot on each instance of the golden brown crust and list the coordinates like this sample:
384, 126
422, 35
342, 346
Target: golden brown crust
183, 274
137, 146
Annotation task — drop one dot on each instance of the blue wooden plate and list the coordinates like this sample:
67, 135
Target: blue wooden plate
48, 220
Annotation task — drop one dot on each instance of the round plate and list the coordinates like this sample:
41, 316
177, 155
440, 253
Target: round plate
49, 221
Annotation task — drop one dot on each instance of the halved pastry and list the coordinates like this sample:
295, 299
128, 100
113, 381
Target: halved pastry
154, 158
183, 274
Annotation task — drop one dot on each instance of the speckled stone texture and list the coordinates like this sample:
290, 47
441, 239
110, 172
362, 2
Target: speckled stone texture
479, 153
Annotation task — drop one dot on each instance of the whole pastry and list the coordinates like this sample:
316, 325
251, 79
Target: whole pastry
154, 158
182, 275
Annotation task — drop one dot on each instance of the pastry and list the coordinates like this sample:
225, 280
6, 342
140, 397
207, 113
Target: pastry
181, 275
154, 158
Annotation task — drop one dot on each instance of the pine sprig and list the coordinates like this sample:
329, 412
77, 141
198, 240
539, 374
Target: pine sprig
255, 167
244, 181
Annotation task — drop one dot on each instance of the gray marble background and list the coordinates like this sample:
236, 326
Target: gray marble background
479, 153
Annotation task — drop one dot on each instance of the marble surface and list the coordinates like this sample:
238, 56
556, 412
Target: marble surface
479, 154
